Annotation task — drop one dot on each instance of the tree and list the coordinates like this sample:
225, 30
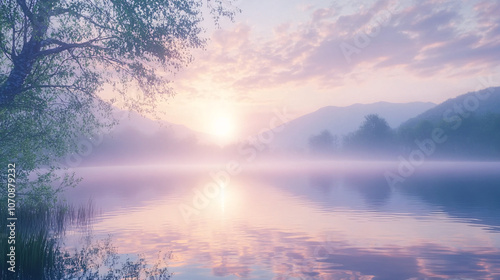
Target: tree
407, 134
373, 136
323, 144
477, 137
67, 45
56, 55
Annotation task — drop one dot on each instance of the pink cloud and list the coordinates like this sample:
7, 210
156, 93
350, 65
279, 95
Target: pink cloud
425, 39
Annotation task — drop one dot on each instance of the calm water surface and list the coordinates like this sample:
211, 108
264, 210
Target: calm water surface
442, 222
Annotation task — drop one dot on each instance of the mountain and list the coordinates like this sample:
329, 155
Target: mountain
149, 127
341, 121
139, 139
478, 103
469, 126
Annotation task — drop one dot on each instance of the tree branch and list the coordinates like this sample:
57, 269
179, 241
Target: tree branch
66, 46
59, 11
50, 86
13, 51
26, 10
4, 49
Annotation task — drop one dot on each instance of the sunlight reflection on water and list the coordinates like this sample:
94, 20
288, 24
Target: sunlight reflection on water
307, 221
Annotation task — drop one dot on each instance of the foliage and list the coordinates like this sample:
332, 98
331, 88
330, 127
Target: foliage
100, 260
373, 136
475, 137
51, 47
57, 55
324, 143
41, 255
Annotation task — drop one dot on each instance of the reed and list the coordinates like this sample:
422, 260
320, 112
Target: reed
40, 254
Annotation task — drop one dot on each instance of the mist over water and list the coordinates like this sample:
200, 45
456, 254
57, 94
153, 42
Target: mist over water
310, 219
282, 140
418, 201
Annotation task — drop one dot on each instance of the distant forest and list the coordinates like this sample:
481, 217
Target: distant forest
476, 137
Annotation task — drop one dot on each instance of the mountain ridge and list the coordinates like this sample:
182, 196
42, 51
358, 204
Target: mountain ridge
342, 120
485, 105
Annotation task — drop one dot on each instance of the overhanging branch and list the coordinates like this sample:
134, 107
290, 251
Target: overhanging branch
68, 46
26, 10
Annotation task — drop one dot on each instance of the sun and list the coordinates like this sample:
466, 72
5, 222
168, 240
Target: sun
223, 128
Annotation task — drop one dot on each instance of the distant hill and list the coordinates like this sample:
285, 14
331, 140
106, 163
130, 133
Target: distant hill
149, 127
435, 115
470, 124
343, 120
140, 139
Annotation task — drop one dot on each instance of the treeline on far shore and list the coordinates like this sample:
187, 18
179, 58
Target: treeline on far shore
474, 137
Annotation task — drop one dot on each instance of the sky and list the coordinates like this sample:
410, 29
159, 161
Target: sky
300, 56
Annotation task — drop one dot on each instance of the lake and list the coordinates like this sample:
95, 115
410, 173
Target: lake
325, 220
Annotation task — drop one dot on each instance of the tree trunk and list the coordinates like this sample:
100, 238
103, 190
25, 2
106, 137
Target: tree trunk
23, 62
23, 65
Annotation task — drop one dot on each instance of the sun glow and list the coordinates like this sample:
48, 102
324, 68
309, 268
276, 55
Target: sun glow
223, 129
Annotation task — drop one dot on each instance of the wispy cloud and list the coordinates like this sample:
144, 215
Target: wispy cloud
426, 38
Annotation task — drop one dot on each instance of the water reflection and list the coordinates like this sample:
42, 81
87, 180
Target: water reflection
307, 225
474, 198
37, 250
